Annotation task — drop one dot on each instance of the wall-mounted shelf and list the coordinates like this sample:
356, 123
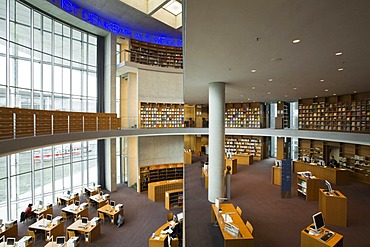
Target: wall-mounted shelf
245, 115
251, 145
161, 115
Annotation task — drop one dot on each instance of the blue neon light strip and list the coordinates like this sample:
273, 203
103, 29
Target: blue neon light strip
98, 21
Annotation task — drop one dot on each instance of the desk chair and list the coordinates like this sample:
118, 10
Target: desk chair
169, 216
34, 235
239, 210
59, 201
249, 226
102, 217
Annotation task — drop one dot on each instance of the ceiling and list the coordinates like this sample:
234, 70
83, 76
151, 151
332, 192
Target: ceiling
225, 40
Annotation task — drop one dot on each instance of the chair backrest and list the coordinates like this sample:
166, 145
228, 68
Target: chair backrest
31, 233
249, 226
239, 210
169, 216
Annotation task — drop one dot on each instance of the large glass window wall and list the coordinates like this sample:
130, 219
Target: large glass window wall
40, 59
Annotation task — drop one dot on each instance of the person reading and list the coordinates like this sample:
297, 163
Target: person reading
29, 212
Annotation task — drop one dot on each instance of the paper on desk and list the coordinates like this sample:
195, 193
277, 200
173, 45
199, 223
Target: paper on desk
227, 218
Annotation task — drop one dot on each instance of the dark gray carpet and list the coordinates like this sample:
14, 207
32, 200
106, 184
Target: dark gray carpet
276, 221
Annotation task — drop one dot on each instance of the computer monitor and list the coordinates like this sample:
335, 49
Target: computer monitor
101, 193
93, 184
68, 192
306, 159
77, 203
318, 221
10, 242
84, 220
49, 217
60, 240
328, 186
112, 203
278, 163
321, 162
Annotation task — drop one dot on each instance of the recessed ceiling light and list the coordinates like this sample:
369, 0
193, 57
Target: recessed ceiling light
316, 96
355, 91
322, 80
249, 98
270, 79
268, 93
253, 88
241, 95
294, 88
338, 53
253, 70
296, 41
285, 96
340, 69
334, 94
326, 90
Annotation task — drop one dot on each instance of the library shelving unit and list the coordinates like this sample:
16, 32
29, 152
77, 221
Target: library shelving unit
311, 148
349, 113
356, 158
251, 145
155, 55
308, 187
161, 115
353, 157
245, 115
173, 199
283, 115
155, 173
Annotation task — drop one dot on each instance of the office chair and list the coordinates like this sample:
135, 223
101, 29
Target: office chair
239, 210
102, 217
249, 226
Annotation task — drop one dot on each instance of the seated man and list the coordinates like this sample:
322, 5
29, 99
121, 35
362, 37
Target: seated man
333, 163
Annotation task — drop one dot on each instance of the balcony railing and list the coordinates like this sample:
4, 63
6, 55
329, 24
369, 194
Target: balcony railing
17, 122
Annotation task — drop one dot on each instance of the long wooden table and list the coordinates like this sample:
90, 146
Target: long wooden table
44, 211
90, 232
67, 199
48, 228
111, 212
308, 240
76, 211
246, 239
100, 201
336, 176
26, 239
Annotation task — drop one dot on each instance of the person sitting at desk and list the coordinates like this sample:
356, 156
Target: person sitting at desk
333, 163
28, 213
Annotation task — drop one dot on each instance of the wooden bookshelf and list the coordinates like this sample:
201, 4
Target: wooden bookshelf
174, 199
155, 173
250, 145
155, 55
157, 190
161, 115
348, 113
311, 148
245, 115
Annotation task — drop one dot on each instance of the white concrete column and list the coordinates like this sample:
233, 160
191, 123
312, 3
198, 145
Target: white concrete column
216, 182
110, 106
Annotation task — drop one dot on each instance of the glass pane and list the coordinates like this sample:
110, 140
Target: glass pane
92, 40
91, 105
2, 30
92, 55
37, 76
66, 48
58, 28
66, 103
58, 77
47, 103
66, 31
76, 105
20, 51
3, 96
77, 175
58, 45
3, 9
3, 198
24, 74
23, 14
2, 70
92, 85
46, 77
37, 19
21, 187
76, 82
37, 100
47, 23
37, 39
67, 81
77, 49
47, 39
76, 34
23, 35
